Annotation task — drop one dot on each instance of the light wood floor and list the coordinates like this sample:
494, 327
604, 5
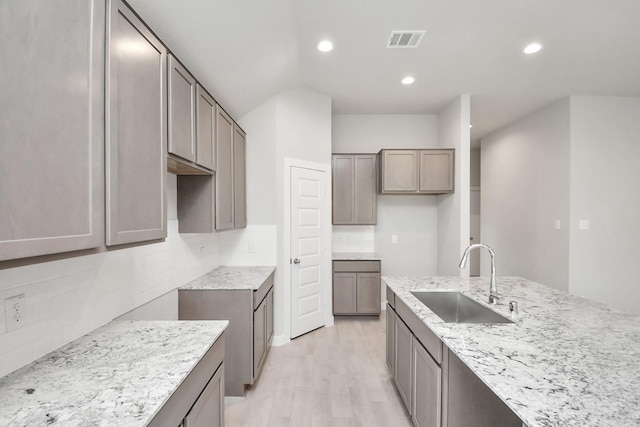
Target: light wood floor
331, 377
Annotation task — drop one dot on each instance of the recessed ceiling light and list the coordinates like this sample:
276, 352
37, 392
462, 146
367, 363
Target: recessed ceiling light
532, 48
325, 46
408, 80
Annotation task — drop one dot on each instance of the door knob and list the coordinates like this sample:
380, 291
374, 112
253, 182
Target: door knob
296, 261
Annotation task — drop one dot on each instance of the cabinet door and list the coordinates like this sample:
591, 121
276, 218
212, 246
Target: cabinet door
206, 129
365, 189
224, 170
136, 143
403, 374
391, 340
426, 389
342, 171
269, 317
259, 337
239, 178
436, 171
399, 171
368, 293
52, 126
344, 293
182, 96
208, 410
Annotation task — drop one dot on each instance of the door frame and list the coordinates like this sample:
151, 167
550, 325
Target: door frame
290, 163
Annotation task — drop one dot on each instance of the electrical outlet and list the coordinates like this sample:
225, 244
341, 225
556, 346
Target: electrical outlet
15, 312
394, 238
252, 248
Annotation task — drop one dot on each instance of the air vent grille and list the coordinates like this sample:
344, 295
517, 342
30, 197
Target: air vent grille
405, 39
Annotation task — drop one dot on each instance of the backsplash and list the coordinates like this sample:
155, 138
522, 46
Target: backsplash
356, 238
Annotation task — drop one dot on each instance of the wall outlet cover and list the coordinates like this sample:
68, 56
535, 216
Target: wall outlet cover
15, 312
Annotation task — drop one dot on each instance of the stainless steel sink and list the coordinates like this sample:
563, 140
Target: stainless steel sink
454, 307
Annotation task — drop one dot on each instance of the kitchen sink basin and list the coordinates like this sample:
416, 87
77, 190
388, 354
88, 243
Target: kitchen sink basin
454, 307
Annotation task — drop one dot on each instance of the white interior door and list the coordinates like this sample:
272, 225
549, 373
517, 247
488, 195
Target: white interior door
307, 193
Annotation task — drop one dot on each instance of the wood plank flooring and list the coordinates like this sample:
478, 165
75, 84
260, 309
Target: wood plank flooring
331, 377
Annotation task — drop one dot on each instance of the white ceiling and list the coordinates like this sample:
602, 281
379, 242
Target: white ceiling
246, 51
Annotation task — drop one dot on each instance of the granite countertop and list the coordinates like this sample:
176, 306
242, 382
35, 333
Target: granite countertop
118, 375
234, 278
567, 361
355, 256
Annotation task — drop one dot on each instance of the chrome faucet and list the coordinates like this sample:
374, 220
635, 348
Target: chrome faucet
494, 296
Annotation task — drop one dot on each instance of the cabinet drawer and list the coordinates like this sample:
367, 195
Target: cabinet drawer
261, 292
422, 332
356, 266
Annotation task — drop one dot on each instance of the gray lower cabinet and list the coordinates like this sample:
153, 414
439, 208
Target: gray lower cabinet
199, 399
436, 388
356, 287
426, 171
426, 388
354, 189
182, 104
208, 411
250, 315
52, 126
136, 126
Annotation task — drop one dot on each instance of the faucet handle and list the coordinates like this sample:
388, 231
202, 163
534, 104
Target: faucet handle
493, 297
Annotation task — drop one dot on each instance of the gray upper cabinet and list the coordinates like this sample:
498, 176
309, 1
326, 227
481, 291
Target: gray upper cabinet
224, 170
136, 141
239, 178
182, 96
354, 189
427, 171
206, 129
52, 126
230, 173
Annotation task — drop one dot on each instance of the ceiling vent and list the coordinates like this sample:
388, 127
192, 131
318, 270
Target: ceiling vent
402, 39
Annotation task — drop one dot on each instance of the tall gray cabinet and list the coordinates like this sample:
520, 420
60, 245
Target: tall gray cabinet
354, 189
136, 122
52, 126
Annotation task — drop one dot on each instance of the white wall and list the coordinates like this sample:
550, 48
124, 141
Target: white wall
413, 219
295, 124
605, 190
525, 189
454, 209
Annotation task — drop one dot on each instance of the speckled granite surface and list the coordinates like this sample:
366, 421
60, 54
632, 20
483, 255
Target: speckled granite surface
566, 361
231, 278
355, 256
118, 375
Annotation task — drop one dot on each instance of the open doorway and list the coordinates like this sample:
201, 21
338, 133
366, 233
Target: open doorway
474, 205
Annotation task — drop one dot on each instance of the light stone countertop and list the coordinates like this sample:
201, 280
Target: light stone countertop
355, 256
567, 361
118, 375
238, 278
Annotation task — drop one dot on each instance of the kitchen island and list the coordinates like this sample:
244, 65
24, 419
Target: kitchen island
132, 373
565, 361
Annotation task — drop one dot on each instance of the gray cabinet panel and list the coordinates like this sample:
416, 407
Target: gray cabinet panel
343, 209
196, 203
182, 95
136, 140
52, 126
239, 178
259, 337
206, 129
426, 389
269, 317
403, 372
399, 171
208, 410
344, 293
436, 171
368, 293
391, 340
224, 171
354, 189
